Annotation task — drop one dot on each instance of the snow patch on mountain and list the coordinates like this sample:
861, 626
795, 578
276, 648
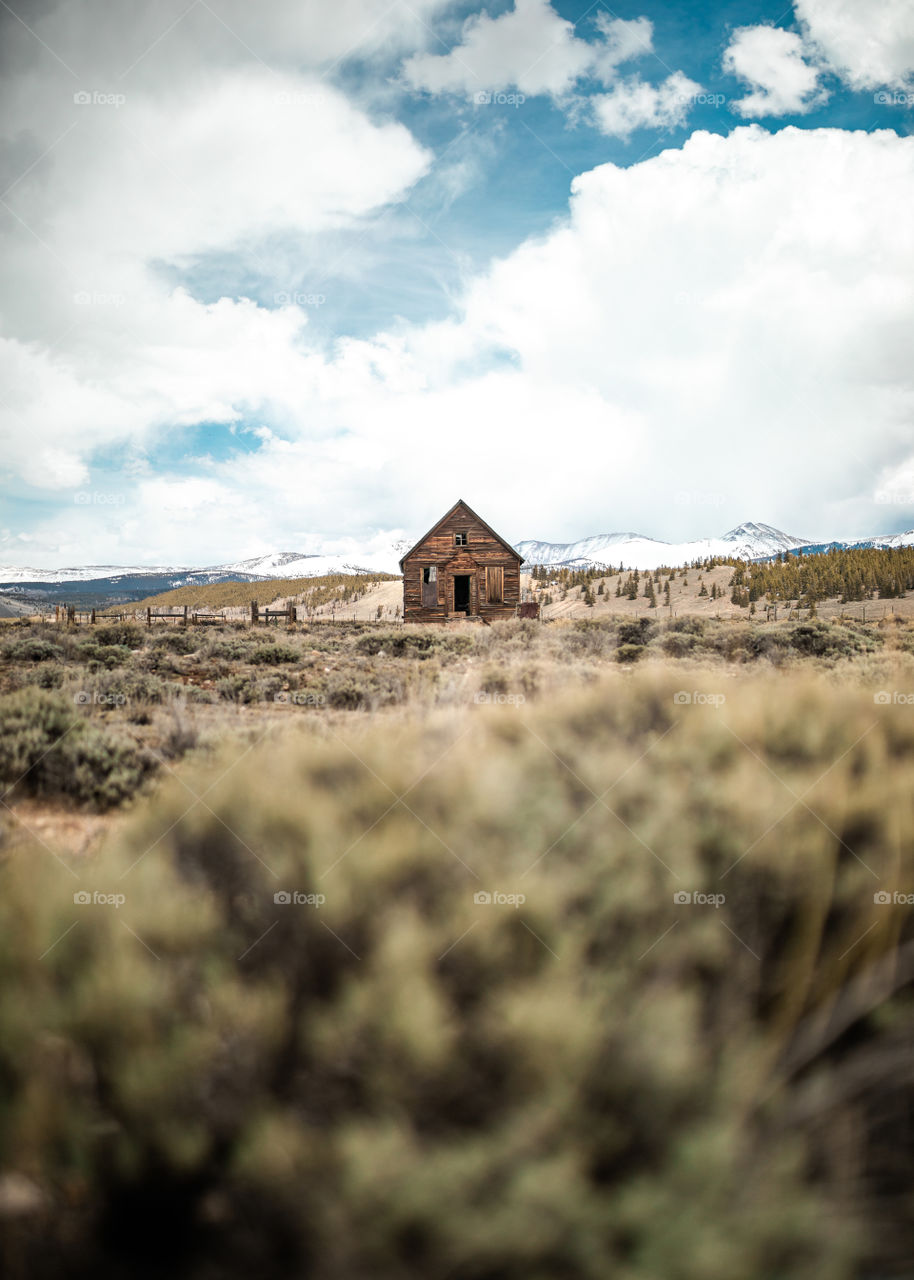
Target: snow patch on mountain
749, 541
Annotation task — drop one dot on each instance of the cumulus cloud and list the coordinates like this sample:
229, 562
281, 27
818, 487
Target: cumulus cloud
730, 318
869, 44
530, 48
633, 104
719, 321
772, 62
101, 345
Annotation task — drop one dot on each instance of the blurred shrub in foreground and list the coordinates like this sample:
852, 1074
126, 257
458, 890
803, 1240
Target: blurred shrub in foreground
305, 1029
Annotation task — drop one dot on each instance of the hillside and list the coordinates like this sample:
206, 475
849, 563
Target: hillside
341, 589
361, 597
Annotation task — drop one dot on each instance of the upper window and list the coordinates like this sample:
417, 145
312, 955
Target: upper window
460, 539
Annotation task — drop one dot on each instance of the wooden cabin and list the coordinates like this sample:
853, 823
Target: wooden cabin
461, 568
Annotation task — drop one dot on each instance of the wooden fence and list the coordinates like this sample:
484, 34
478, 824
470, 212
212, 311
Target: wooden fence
264, 615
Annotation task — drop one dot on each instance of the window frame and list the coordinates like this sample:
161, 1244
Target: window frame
428, 586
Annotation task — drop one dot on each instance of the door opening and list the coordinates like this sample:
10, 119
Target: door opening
461, 593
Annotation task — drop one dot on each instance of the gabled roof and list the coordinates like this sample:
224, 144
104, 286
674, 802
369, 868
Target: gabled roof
469, 510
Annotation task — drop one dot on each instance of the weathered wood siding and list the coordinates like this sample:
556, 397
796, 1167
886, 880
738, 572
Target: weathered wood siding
438, 548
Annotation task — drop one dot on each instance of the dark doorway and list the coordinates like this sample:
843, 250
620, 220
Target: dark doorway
461, 593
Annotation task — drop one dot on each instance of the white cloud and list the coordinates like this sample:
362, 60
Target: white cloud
219, 164
771, 61
730, 318
869, 43
166, 42
633, 104
721, 318
623, 40
530, 48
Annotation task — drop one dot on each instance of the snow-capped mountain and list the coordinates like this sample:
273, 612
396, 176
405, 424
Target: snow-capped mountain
294, 564
276, 564
113, 584
13, 574
749, 541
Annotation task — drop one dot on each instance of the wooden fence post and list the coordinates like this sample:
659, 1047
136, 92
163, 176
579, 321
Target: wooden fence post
148, 616
254, 613
185, 616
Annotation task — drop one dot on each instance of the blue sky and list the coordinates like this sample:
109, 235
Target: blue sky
299, 279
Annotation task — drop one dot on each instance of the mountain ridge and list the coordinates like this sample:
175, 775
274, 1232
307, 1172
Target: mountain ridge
751, 540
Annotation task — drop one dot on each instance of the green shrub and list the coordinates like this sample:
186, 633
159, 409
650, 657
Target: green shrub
182, 641
821, 639
49, 675
130, 687
126, 633
404, 1082
677, 643
635, 631
407, 642
248, 689
47, 748
630, 652
274, 654
32, 649
687, 626
101, 656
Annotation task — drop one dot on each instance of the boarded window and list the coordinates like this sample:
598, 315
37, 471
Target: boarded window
430, 586
460, 539
495, 584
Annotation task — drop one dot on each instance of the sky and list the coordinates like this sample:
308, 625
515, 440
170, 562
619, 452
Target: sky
298, 275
